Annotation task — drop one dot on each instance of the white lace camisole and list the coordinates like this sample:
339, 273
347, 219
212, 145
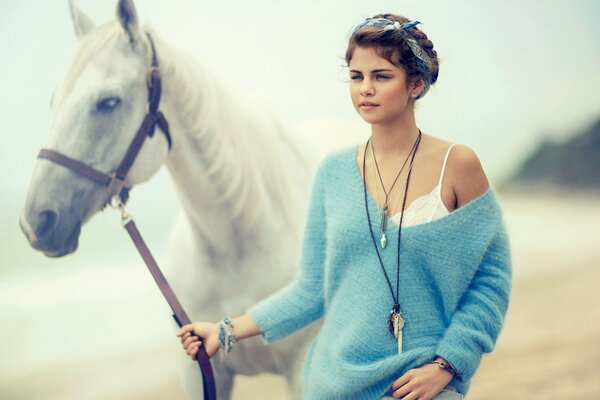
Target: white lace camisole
428, 207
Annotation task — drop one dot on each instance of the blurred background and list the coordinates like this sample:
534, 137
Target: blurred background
518, 84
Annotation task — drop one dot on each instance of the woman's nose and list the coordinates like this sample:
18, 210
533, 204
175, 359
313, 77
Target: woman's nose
366, 88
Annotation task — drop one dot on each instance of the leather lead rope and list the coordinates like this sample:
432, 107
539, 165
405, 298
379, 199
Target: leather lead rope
179, 313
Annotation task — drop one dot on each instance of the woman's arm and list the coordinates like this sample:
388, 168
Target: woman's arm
193, 335
478, 319
301, 301
245, 327
290, 308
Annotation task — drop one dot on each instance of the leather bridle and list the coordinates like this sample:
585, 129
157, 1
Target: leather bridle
115, 183
119, 193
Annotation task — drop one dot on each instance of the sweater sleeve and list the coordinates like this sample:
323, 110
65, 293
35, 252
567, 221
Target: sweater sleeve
301, 301
478, 319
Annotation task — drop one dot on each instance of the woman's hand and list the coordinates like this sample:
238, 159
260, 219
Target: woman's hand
421, 383
192, 333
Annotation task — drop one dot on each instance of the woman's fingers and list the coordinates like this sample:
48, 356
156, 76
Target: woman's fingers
186, 329
194, 352
185, 336
190, 340
193, 349
191, 346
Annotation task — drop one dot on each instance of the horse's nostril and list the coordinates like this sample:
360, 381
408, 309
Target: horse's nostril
46, 224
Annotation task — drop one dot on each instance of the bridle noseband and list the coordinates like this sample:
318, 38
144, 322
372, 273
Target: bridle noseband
119, 193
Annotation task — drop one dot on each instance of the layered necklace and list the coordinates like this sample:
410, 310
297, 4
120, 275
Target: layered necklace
395, 319
383, 215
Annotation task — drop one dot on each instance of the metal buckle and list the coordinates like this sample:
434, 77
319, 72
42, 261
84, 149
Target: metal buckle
117, 203
115, 185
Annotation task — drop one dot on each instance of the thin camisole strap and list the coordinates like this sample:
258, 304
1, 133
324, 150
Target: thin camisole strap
444, 165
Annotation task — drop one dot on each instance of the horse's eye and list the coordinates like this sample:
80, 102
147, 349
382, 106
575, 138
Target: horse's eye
108, 104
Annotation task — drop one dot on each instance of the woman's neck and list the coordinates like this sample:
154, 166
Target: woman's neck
395, 138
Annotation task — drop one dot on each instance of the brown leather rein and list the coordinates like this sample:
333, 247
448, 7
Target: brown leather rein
115, 185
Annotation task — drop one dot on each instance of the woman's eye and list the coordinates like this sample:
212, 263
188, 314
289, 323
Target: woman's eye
108, 104
379, 76
355, 77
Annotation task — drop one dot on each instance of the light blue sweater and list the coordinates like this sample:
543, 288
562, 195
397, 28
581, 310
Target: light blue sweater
455, 282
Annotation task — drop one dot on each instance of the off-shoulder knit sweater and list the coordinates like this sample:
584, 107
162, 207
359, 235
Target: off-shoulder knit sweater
455, 283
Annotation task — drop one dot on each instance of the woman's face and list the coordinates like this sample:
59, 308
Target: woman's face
378, 88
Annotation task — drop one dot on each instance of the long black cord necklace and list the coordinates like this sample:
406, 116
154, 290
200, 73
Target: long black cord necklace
395, 319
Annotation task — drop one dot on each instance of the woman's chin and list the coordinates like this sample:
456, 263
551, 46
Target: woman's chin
371, 119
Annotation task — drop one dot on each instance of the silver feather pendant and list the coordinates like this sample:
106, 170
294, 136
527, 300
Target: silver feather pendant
395, 325
383, 240
398, 325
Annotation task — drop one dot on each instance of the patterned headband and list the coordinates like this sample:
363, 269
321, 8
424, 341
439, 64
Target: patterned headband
387, 24
423, 60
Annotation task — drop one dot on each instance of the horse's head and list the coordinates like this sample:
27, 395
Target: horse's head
97, 110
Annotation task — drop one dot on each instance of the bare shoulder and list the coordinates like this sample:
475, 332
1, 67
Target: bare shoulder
466, 174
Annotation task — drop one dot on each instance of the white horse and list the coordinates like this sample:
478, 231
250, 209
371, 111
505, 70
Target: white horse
242, 183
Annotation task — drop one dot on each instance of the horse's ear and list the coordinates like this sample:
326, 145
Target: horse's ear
82, 23
128, 17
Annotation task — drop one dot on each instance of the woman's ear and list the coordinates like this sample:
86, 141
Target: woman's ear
417, 87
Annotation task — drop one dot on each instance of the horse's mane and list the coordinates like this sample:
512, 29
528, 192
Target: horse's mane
226, 111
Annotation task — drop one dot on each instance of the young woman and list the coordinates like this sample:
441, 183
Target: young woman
405, 251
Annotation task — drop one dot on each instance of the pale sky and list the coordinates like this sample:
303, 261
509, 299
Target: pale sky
511, 73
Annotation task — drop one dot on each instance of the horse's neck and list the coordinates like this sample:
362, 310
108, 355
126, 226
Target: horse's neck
225, 158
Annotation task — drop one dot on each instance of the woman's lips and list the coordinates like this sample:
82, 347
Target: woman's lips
368, 106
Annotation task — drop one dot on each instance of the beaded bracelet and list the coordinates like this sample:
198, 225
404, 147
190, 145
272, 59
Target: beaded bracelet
227, 337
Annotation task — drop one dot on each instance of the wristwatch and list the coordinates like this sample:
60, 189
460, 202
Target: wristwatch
447, 366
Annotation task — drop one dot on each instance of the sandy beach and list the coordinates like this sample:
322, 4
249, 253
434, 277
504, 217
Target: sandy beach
549, 344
